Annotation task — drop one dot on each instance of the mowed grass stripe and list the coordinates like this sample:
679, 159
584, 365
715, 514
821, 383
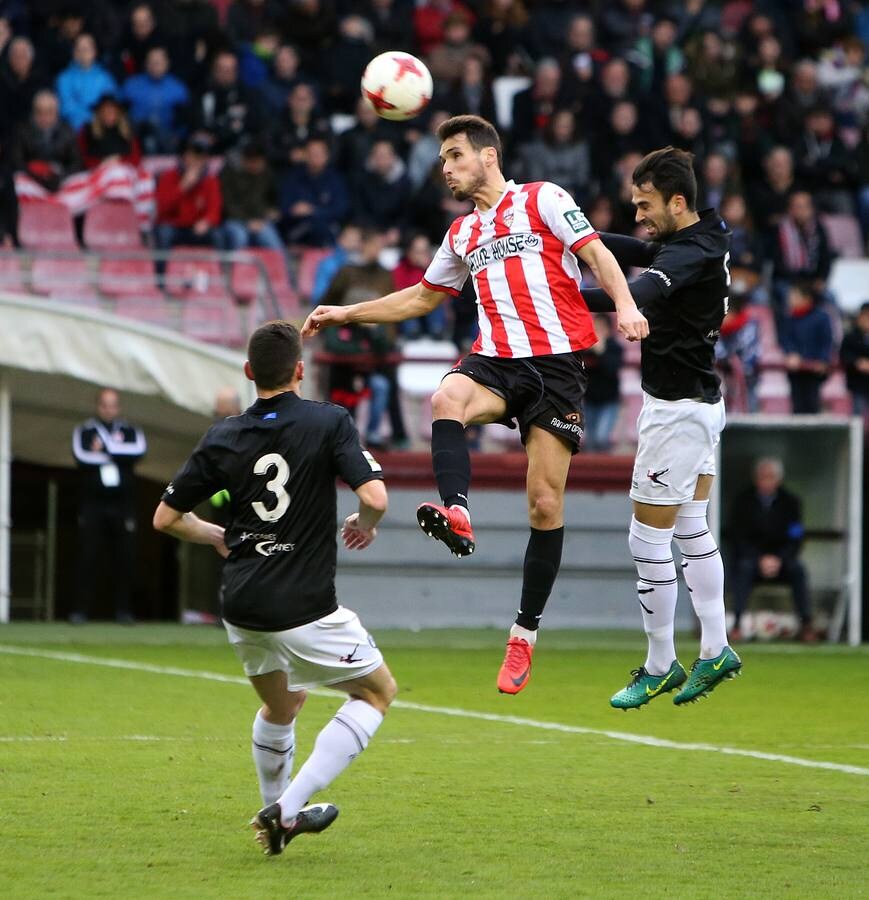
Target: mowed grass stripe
625, 737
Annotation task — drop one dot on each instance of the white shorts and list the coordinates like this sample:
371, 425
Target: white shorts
676, 444
333, 649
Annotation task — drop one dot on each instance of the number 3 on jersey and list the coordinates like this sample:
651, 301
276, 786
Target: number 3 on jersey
276, 486
727, 281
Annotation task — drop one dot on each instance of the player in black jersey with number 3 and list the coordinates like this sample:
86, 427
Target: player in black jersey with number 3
683, 294
279, 460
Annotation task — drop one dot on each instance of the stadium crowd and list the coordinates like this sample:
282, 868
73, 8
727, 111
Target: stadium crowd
771, 97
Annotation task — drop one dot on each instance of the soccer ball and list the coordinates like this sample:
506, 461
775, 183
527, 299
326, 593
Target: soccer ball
397, 84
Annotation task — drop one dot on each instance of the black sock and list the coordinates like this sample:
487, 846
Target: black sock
542, 559
451, 461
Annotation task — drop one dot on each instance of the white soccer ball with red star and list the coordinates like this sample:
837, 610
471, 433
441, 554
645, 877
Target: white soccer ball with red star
398, 85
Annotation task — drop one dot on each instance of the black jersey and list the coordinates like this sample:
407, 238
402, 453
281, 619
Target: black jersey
278, 460
683, 293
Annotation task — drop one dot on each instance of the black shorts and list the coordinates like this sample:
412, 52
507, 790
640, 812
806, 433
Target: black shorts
546, 391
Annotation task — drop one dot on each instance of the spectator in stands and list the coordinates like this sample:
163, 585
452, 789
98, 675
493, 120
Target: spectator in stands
425, 150
802, 94
770, 197
503, 30
824, 165
603, 362
472, 93
188, 200
560, 156
226, 109
55, 43
854, 356
802, 249
582, 60
393, 23
615, 86
8, 203
83, 82
106, 449
842, 72
746, 251
417, 255
246, 18
250, 201
861, 156
346, 62
623, 23
347, 250
715, 181
299, 123
657, 55
255, 60
20, 79
447, 58
284, 76
807, 342
141, 35
533, 107
108, 135
157, 100
433, 207
429, 21
355, 144
313, 198
712, 64
766, 530
620, 134
737, 353
311, 25
380, 192
46, 147
376, 373
752, 129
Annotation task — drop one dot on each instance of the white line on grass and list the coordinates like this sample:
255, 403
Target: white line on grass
451, 711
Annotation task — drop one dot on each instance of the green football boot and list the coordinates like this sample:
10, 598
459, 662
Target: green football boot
707, 674
645, 687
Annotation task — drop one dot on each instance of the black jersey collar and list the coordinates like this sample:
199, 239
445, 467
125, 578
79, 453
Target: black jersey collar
708, 219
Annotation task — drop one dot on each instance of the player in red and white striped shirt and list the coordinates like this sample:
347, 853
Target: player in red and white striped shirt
519, 246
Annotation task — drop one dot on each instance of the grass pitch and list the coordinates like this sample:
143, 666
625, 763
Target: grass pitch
136, 782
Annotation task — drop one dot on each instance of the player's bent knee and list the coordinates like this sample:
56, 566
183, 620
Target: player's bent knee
447, 404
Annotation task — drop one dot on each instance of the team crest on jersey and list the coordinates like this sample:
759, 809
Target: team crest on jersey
459, 245
507, 218
577, 220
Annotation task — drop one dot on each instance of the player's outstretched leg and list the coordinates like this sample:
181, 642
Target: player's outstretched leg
274, 836
707, 674
644, 687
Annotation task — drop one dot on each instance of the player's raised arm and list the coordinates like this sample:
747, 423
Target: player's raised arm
408, 303
631, 322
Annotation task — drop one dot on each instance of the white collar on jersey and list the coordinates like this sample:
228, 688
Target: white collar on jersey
490, 212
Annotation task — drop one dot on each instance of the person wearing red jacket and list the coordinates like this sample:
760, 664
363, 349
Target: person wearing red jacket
188, 201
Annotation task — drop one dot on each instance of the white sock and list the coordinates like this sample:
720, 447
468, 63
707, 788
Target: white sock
337, 745
703, 572
656, 591
273, 748
465, 511
525, 633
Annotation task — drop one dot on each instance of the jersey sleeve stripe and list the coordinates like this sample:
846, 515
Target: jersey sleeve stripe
583, 241
441, 288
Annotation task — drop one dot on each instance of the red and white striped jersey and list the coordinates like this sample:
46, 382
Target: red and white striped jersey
520, 254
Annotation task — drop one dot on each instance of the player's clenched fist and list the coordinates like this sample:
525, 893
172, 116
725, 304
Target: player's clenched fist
323, 317
633, 325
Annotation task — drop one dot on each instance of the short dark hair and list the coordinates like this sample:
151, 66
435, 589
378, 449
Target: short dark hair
670, 171
480, 133
273, 351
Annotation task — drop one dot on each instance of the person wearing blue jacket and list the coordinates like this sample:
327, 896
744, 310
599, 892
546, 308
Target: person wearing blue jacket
313, 198
807, 342
155, 98
83, 82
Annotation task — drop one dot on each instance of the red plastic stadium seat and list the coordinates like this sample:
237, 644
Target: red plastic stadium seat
308, 263
770, 352
843, 231
11, 276
150, 309
774, 392
59, 276
112, 225
128, 278
194, 272
245, 280
45, 225
211, 320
